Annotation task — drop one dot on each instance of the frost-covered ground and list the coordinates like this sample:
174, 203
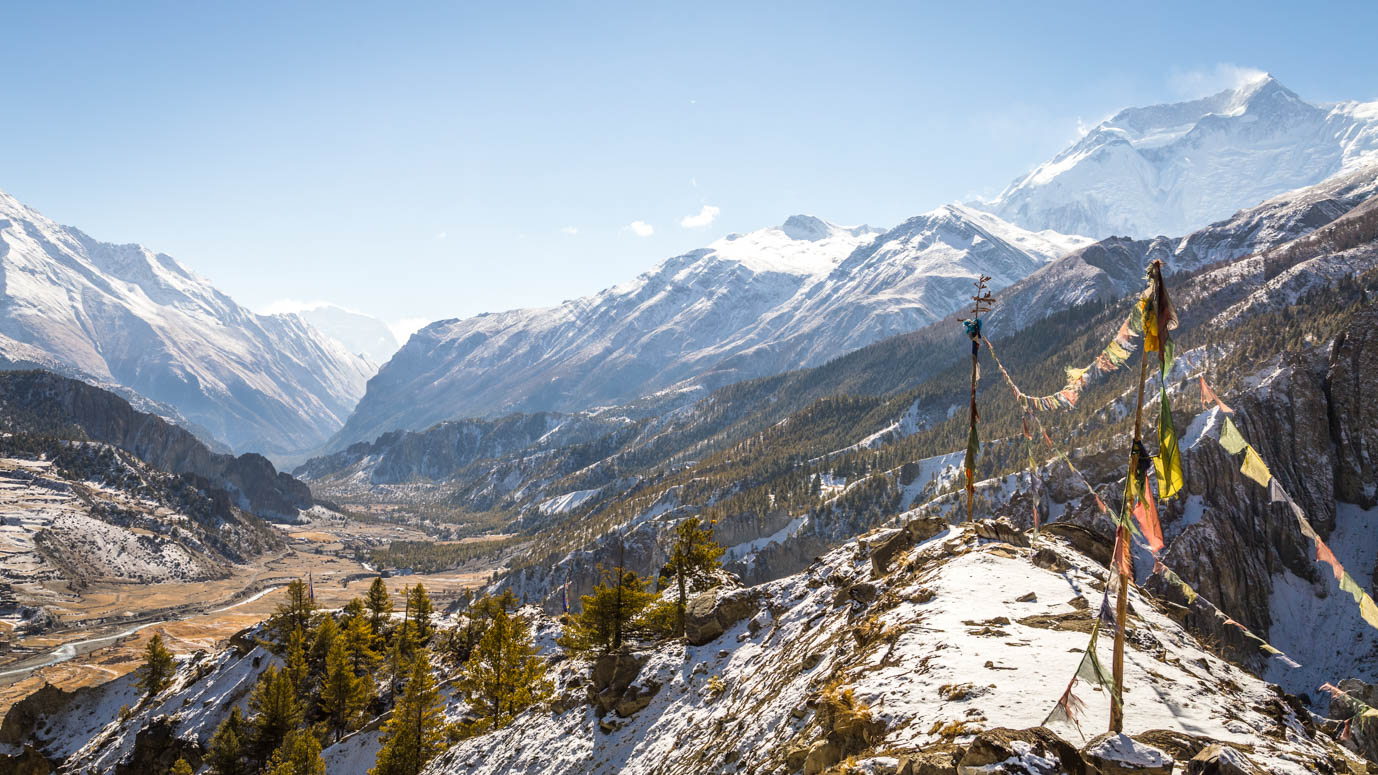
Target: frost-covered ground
954, 620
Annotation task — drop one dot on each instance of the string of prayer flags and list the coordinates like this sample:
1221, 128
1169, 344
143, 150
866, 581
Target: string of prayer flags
1257, 470
1067, 702
1364, 716
1159, 319
1111, 357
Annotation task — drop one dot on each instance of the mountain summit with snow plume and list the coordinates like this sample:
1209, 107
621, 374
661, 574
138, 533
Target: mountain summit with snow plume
1170, 169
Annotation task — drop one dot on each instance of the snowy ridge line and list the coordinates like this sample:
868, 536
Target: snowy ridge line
1159, 568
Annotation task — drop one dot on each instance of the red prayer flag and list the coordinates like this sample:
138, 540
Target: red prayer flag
1146, 514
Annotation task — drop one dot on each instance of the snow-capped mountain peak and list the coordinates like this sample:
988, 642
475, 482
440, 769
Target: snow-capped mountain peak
745, 306
1169, 169
803, 245
126, 316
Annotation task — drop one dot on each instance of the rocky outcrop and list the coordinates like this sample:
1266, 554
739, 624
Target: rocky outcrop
611, 686
1216, 759
23, 716
1353, 417
1016, 749
157, 747
914, 532
47, 404
26, 762
711, 613
1120, 754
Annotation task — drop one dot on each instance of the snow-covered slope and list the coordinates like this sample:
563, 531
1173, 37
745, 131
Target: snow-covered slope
125, 315
747, 305
1168, 169
361, 334
963, 636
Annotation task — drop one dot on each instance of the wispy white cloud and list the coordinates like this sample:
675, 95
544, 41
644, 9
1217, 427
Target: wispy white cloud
570, 230
403, 329
704, 217
441, 235
1202, 82
641, 228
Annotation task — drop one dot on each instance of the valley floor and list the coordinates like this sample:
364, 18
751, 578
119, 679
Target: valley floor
103, 629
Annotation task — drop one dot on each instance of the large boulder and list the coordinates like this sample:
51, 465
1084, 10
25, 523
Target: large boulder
1221, 760
1120, 754
1001, 530
611, 677
914, 532
1035, 751
709, 614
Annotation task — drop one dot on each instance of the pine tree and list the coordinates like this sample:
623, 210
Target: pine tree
694, 553
343, 694
359, 638
226, 754
276, 711
180, 767
415, 733
379, 604
503, 676
294, 612
607, 613
420, 610
158, 667
327, 632
299, 754
297, 668
397, 665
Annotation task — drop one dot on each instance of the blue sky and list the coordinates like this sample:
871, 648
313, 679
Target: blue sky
419, 161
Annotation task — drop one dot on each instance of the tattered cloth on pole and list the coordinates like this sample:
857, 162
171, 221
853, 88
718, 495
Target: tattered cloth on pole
1160, 318
1107, 612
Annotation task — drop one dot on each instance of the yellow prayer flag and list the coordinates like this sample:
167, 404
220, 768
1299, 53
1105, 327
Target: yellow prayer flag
1369, 611
1254, 467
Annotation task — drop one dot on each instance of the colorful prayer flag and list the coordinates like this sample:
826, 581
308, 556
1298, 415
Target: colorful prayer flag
1231, 439
1254, 467
1146, 513
1209, 397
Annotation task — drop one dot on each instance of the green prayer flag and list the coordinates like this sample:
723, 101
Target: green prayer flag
1231, 439
1168, 463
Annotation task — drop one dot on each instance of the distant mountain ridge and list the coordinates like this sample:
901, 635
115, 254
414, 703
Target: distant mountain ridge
122, 314
745, 306
1170, 169
46, 404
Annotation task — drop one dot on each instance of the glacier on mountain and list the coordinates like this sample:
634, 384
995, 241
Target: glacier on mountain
1168, 169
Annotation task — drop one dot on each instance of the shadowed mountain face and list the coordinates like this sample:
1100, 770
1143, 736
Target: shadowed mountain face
123, 315
46, 404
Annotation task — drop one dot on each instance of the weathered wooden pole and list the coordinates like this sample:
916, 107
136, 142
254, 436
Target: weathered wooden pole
981, 302
1122, 535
